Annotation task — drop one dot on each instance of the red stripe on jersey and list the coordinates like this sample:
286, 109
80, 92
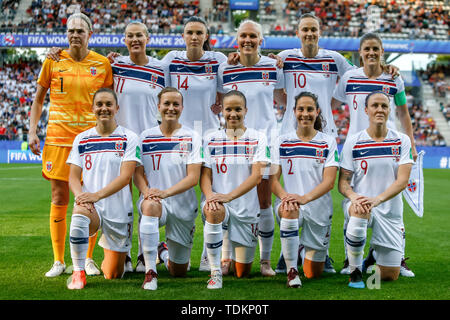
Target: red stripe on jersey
175, 61
372, 81
103, 140
142, 68
377, 144
233, 143
249, 69
303, 144
167, 140
309, 60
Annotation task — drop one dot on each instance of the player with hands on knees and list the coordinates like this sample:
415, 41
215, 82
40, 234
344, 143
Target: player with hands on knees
234, 161
375, 167
102, 162
308, 160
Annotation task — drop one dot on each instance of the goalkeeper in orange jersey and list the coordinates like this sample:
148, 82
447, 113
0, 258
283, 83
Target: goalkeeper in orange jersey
72, 81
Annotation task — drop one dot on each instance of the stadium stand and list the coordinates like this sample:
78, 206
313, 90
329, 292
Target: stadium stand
400, 19
17, 89
397, 19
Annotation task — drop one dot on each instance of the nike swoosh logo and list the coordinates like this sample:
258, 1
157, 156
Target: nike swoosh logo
180, 68
56, 221
234, 77
153, 147
363, 153
121, 71
64, 70
89, 147
289, 151
355, 88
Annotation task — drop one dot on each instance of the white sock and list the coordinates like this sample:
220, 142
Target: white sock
214, 238
403, 242
149, 233
266, 227
289, 242
226, 244
345, 231
204, 253
355, 239
79, 240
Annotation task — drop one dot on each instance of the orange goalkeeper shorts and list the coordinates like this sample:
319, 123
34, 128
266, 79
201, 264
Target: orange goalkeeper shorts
54, 164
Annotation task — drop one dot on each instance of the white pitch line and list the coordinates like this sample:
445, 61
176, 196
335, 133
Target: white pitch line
21, 168
21, 179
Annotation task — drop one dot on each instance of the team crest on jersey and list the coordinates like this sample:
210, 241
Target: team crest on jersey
49, 166
326, 67
119, 148
183, 148
319, 155
93, 71
265, 76
412, 186
386, 89
154, 80
396, 152
209, 69
249, 151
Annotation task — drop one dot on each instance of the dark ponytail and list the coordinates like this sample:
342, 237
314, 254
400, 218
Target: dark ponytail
206, 44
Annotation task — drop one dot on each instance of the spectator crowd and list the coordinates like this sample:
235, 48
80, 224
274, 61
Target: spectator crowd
344, 18
17, 89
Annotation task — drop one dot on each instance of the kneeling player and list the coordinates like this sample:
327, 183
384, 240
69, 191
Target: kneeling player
172, 159
106, 157
308, 161
234, 158
375, 167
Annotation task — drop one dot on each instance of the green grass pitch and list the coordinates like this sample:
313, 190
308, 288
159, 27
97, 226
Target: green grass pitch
26, 254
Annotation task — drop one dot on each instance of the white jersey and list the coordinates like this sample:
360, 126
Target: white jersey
137, 89
165, 161
231, 164
101, 159
302, 164
353, 89
317, 75
375, 166
257, 84
197, 82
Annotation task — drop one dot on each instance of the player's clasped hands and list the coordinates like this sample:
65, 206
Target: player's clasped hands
155, 194
292, 202
362, 205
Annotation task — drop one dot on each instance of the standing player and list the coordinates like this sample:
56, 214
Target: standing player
261, 81
316, 70
311, 69
308, 160
172, 159
138, 78
72, 82
354, 87
105, 156
234, 163
194, 73
374, 200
